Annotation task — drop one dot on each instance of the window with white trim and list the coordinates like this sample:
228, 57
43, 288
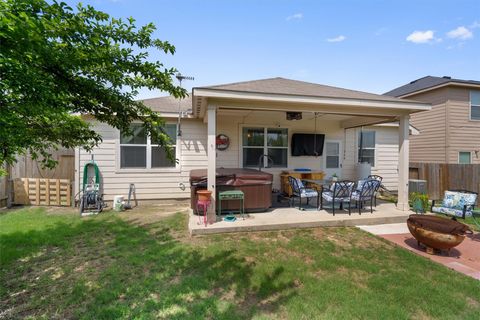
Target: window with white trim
465, 157
139, 151
474, 105
259, 141
366, 147
332, 154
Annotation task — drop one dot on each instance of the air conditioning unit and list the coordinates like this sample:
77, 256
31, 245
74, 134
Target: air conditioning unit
419, 186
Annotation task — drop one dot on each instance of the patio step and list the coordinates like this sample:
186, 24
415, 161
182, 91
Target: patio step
250, 225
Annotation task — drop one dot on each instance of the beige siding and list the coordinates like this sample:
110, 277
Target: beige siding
446, 129
386, 154
464, 134
149, 185
429, 145
167, 185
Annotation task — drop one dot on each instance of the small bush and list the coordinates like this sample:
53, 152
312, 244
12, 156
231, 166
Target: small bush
419, 202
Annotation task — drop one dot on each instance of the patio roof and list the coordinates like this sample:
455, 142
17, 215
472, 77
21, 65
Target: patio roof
296, 93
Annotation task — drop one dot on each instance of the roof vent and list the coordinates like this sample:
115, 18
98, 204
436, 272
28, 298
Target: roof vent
446, 77
413, 81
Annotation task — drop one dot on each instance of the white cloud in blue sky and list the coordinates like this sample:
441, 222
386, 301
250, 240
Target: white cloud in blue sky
296, 16
339, 38
426, 36
461, 33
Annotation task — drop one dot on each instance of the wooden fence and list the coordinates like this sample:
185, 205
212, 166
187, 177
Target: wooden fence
45, 192
442, 176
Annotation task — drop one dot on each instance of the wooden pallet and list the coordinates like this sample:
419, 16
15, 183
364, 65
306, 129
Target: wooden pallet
42, 192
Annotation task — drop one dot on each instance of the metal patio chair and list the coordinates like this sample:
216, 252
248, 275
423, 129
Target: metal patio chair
338, 192
301, 192
379, 178
366, 192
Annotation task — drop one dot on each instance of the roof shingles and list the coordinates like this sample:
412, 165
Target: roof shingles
299, 88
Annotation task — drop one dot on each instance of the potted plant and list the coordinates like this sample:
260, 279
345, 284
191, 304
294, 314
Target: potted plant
419, 202
334, 177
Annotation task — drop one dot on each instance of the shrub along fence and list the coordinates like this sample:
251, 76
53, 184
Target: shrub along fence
443, 176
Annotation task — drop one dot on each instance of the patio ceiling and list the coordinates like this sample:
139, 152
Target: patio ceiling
280, 94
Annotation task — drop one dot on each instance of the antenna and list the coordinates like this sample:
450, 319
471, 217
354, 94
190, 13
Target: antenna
180, 78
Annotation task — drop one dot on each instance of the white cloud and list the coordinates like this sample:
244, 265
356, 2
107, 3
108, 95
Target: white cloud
421, 36
460, 33
296, 16
475, 24
340, 38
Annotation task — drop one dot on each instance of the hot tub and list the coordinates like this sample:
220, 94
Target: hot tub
256, 186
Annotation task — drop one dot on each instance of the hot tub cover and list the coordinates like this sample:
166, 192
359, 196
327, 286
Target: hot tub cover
232, 177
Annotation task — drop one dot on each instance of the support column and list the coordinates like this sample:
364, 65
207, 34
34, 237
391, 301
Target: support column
212, 158
403, 163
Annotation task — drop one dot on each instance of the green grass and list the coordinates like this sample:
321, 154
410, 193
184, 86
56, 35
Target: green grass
56, 265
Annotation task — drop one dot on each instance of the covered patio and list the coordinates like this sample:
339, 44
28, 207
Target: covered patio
234, 108
287, 218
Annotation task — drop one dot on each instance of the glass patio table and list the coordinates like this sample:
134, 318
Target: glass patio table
318, 182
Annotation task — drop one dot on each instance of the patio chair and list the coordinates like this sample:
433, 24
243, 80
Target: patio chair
301, 192
456, 203
364, 193
338, 192
379, 178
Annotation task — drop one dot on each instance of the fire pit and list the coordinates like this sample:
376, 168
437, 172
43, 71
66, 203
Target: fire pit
437, 233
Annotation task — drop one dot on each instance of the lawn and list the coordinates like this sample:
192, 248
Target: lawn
132, 266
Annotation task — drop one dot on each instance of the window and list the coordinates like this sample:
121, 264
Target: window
474, 105
332, 153
464, 157
260, 141
138, 151
366, 147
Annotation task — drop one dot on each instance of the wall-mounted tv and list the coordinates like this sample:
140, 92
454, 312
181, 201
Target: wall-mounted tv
307, 144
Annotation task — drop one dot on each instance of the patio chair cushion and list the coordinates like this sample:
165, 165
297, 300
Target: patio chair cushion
356, 195
458, 200
360, 184
452, 211
308, 193
328, 196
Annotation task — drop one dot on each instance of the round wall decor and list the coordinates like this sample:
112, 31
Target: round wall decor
222, 142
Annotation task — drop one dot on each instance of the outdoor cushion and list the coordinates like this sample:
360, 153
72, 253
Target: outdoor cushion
452, 211
309, 193
458, 200
328, 195
356, 195
360, 184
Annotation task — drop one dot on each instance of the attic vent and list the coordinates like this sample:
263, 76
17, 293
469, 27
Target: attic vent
446, 77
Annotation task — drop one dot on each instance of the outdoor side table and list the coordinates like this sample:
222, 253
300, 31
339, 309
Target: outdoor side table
231, 195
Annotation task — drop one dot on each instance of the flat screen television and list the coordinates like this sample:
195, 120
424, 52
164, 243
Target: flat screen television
307, 144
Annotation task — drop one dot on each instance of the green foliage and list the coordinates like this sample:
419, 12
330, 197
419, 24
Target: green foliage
421, 200
58, 62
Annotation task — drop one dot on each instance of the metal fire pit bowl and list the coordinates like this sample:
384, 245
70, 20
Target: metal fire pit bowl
436, 232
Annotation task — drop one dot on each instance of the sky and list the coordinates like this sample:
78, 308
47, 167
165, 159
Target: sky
372, 46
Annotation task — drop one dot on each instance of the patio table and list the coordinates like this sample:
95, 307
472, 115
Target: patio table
318, 182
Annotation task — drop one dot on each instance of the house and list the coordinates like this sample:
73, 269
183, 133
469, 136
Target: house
451, 129
258, 109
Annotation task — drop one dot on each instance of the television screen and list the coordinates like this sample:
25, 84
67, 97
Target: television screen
307, 144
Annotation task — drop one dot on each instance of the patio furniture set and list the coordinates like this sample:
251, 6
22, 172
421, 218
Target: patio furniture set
336, 192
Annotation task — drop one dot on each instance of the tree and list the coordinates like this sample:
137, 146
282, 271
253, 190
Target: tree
57, 63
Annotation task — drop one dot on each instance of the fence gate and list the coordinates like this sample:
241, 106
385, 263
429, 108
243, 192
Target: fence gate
42, 192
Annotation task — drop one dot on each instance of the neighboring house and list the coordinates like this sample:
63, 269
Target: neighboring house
253, 115
450, 131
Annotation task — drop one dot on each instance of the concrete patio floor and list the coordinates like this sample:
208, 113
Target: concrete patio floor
464, 258
288, 218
